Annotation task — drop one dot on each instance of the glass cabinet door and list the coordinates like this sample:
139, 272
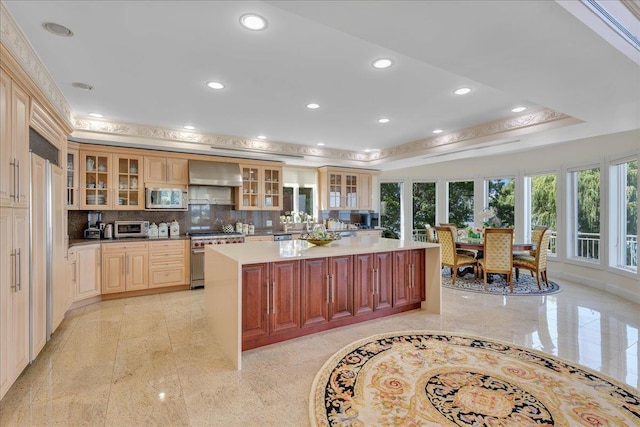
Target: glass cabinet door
96, 180
250, 187
335, 190
72, 179
129, 182
351, 190
271, 195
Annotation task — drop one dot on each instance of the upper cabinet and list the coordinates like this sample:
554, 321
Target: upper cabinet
344, 189
14, 143
166, 170
73, 154
111, 181
261, 188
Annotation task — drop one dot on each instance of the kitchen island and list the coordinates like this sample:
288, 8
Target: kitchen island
264, 292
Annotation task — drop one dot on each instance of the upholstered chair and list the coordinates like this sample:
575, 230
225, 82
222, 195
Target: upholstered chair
538, 262
466, 252
450, 258
498, 254
432, 237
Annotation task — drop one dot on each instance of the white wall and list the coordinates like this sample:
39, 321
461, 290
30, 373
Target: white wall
552, 159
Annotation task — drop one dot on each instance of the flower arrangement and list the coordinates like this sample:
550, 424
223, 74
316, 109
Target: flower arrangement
489, 218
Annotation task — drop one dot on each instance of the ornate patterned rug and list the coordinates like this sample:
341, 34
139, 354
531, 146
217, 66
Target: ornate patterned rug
419, 378
526, 285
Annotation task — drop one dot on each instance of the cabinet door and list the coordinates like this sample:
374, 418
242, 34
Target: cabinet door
335, 190
127, 182
7, 173
272, 189
88, 260
384, 281
341, 293
7, 282
155, 169
351, 191
285, 297
314, 286
177, 171
255, 285
137, 270
364, 191
113, 272
363, 283
20, 312
72, 178
418, 275
95, 180
401, 278
249, 194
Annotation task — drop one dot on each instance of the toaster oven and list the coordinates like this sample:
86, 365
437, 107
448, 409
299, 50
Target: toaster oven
130, 229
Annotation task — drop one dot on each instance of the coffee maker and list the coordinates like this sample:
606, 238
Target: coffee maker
94, 218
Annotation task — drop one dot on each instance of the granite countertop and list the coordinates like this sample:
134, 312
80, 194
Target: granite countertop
76, 242
300, 249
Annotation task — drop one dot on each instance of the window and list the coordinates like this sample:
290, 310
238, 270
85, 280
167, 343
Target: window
460, 196
541, 191
500, 197
584, 187
623, 231
424, 204
299, 186
391, 208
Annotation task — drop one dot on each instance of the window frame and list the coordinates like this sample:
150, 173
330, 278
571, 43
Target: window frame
526, 200
485, 196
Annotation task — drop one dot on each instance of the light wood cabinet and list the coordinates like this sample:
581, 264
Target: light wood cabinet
258, 239
14, 295
261, 188
125, 267
166, 170
344, 189
14, 143
127, 181
111, 181
73, 161
168, 263
85, 270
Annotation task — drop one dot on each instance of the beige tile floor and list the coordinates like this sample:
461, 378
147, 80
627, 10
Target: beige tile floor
149, 361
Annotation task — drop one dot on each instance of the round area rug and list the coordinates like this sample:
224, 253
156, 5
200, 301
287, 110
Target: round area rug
526, 285
419, 378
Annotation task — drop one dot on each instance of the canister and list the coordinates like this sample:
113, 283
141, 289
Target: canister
163, 230
245, 228
252, 229
153, 230
174, 229
238, 227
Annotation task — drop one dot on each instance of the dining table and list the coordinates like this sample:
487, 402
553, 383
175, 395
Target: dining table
478, 245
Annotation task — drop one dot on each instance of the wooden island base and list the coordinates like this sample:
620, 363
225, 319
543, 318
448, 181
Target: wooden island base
262, 293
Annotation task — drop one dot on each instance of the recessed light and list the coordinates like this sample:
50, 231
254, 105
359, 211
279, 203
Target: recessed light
262, 137
215, 85
82, 86
96, 115
253, 22
437, 131
367, 150
313, 106
189, 127
382, 63
57, 29
518, 109
320, 144
383, 120
462, 91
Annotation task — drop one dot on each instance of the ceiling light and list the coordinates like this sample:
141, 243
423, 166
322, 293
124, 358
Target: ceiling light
313, 106
215, 85
320, 144
189, 127
82, 86
262, 137
57, 29
437, 131
96, 115
253, 22
382, 63
383, 120
518, 109
462, 91
367, 150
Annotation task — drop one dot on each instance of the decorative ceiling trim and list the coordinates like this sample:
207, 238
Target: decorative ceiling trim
16, 43
633, 6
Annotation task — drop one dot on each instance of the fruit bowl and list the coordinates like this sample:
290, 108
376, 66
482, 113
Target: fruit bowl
320, 240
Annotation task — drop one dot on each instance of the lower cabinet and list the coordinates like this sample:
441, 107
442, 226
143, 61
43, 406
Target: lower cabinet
326, 290
84, 264
270, 300
409, 277
168, 263
125, 267
287, 299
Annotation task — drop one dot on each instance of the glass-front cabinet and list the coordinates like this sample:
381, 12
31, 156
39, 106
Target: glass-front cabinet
95, 180
128, 181
261, 188
344, 189
72, 177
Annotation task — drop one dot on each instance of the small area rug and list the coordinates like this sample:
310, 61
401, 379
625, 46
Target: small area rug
526, 285
421, 378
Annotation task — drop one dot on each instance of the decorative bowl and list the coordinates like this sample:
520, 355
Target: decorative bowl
320, 240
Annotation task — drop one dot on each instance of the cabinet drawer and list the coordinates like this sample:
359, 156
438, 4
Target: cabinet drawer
178, 245
128, 246
166, 254
167, 263
168, 277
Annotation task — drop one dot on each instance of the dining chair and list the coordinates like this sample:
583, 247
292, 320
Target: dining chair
538, 262
450, 258
498, 254
466, 252
431, 234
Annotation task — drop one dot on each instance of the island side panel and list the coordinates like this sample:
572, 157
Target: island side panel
223, 303
433, 280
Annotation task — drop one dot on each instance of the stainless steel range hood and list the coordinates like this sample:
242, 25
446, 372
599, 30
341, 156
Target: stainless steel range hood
214, 173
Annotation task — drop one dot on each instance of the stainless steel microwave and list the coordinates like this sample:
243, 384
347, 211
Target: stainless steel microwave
130, 229
166, 198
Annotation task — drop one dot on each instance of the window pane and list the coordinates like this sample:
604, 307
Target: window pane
287, 199
587, 237
631, 199
424, 204
305, 200
500, 196
390, 200
543, 205
461, 203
